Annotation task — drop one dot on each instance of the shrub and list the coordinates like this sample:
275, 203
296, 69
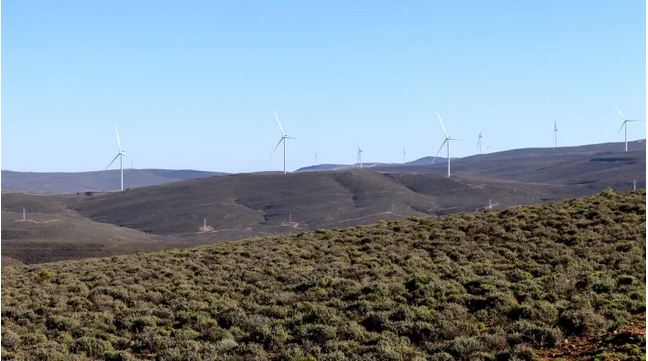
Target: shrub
580, 322
92, 347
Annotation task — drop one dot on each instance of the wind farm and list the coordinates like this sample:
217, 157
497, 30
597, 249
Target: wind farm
510, 242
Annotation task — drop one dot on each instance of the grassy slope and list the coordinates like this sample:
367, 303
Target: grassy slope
315, 199
468, 286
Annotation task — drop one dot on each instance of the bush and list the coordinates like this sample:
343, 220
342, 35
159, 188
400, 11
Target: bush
92, 347
582, 322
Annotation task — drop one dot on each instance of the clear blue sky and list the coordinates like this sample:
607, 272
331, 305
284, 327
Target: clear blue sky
193, 84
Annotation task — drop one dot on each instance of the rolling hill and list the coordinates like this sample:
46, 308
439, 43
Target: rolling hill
497, 160
171, 215
250, 205
561, 279
93, 181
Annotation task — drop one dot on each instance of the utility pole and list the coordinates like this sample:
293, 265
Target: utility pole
634, 184
204, 223
24, 216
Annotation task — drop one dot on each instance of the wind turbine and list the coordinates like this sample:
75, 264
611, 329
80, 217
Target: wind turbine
315, 158
624, 125
479, 142
555, 134
360, 155
121, 154
404, 161
445, 142
283, 139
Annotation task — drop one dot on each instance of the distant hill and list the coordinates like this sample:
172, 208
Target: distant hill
94, 181
530, 155
323, 167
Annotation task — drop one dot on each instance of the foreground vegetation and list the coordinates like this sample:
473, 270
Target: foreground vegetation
494, 285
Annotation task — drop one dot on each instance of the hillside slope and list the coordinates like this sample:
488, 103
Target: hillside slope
466, 286
272, 202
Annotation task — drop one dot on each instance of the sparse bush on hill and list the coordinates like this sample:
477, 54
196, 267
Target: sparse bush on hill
495, 285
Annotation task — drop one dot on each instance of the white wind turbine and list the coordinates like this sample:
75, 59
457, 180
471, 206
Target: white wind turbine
555, 134
283, 139
121, 154
624, 125
315, 158
360, 155
445, 142
479, 142
404, 160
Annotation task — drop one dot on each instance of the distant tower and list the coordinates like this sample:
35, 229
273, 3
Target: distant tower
555, 134
360, 155
634, 184
404, 161
24, 215
205, 223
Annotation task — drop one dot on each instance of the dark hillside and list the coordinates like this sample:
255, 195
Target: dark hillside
311, 199
495, 285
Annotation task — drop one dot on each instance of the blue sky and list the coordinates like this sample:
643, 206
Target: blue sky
194, 84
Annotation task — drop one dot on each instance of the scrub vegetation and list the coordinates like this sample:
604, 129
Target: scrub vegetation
494, 285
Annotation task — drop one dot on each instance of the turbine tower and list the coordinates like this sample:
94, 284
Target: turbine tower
404, 161
445, 142
315, 158
479, 143
121, 156
555, 134
360, 155
624, 125
283, 139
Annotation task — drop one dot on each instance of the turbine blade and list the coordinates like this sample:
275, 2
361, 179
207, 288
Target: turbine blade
118, 142
109, 164
621, 114
278, 122
275, 148
292, 138
437, 154
442, 126
622, 125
